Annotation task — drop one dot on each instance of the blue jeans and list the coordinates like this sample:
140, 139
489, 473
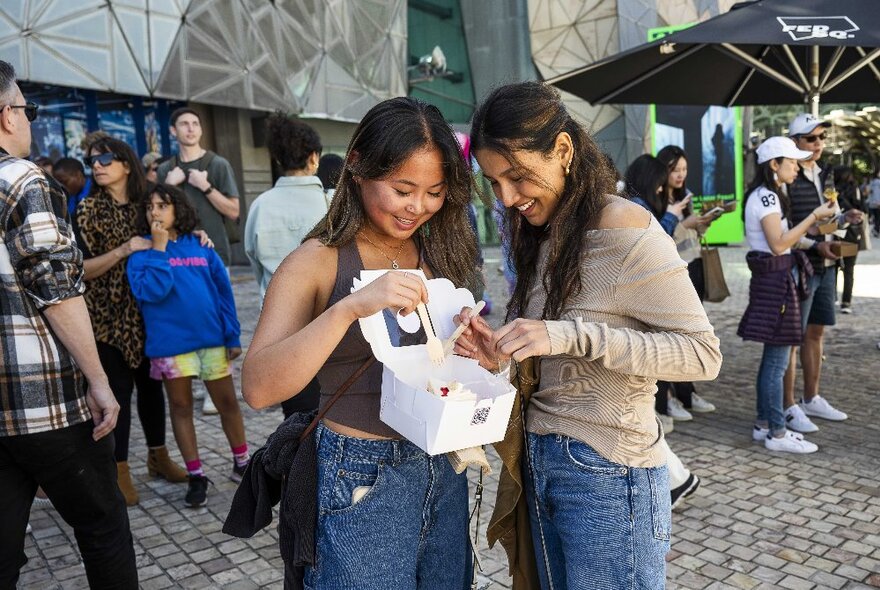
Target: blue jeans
774, 363
390, 517
604, 525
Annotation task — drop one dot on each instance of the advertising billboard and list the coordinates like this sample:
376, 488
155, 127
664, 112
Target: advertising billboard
711, 136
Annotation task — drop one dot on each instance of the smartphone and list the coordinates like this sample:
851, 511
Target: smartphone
730, 206
715, 212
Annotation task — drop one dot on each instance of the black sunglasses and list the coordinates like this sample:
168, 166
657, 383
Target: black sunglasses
104, 159
30, 109
813, 138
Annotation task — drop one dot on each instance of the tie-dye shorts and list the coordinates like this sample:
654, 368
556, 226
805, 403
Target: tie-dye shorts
208, 364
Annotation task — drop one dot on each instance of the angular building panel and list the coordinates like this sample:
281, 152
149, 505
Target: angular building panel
568, 34
331, 58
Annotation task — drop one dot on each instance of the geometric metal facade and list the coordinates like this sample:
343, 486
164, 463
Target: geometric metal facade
325, 58
568, 34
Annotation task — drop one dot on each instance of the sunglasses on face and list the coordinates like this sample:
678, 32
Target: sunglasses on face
30, 109
104, 159
813, 138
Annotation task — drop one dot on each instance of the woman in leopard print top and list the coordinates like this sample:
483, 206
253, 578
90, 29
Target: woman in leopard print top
106, 234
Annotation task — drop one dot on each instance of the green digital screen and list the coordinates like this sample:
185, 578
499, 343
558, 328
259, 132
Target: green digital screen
711, 136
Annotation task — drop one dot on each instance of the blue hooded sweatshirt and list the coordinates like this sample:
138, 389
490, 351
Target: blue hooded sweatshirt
185, 297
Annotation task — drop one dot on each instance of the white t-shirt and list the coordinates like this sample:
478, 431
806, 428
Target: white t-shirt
761, 203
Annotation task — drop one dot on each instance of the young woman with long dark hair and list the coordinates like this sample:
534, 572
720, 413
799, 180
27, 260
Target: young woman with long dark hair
106, 230
682, 399
779, 275
586, 261
389, 515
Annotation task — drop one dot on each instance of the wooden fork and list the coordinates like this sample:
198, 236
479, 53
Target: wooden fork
435, 346
450, 342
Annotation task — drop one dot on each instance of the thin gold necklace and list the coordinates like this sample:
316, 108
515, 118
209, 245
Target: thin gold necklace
393, 261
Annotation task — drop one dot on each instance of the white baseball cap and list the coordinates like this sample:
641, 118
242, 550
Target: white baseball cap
780, 147
804, 123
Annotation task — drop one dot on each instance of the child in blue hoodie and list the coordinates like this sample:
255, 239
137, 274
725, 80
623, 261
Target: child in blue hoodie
185, 297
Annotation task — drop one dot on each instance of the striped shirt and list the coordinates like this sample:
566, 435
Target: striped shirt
41, 387
637, 319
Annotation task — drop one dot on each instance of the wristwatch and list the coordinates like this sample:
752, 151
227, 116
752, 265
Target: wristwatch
208, 190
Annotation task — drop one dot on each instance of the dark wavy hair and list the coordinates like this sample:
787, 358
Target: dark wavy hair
669, 157
764, 176
643, 177
529, 116
186, 219
389, 134
329, 169
136, 185
291, 141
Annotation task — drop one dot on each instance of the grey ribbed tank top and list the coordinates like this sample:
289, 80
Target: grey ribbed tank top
359, 406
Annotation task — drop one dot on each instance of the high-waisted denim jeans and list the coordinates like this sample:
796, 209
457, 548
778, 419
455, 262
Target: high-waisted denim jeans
597, 525
389, 517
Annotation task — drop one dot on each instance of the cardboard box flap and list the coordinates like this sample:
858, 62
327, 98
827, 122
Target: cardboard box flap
444, 302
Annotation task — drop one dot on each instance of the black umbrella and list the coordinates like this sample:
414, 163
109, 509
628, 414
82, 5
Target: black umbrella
761, 52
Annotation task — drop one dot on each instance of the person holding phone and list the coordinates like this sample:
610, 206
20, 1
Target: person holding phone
779, 284
682, 397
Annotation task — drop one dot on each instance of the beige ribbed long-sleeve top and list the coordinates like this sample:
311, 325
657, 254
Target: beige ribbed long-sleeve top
637, 319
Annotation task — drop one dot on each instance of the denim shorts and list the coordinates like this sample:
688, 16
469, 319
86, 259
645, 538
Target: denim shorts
818, 308
596, 523
390, 517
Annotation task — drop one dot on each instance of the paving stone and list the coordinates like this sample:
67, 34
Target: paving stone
759, 520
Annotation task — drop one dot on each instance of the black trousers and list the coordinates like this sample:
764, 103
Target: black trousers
848, 266
150, 399
685, 389
306, 401
79, 476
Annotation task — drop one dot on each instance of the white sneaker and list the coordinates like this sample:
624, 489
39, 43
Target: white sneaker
676, 411
759, 434
208, 406
700, 405
845, 309
820, 408
796, 420
791, 442
667, 422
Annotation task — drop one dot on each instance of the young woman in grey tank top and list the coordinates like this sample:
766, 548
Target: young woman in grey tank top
389, 515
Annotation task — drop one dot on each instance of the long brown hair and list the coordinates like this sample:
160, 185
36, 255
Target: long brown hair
530, 116
386, 137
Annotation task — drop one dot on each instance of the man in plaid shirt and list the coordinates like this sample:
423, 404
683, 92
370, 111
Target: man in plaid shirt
53, 427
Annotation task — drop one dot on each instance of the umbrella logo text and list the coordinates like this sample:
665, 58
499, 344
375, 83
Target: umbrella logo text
804, 28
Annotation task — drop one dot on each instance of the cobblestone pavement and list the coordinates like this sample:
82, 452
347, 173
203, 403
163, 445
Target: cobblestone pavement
760, 520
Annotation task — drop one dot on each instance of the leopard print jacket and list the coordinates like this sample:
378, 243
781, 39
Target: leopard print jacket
102, 225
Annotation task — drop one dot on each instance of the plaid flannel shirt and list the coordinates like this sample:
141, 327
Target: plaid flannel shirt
41, 388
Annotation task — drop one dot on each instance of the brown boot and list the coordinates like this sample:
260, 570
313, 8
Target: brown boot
123, 478
160, 464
